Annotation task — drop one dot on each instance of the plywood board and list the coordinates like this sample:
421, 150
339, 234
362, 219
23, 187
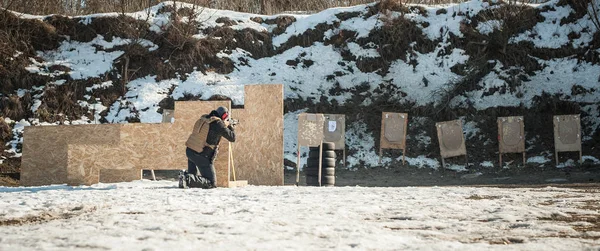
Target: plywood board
120, 175
451, 138
86, 154
44, 159
334, 130
511, 134
258, 152
310, 129
567, 133
393, 130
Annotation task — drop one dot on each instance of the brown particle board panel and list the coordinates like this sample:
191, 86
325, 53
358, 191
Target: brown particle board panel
120, 175
451, 138
258, 151
511, 134
45, 153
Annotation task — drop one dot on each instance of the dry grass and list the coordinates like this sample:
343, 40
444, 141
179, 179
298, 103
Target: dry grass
65, 7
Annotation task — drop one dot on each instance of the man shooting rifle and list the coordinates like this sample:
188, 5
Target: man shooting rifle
202, 147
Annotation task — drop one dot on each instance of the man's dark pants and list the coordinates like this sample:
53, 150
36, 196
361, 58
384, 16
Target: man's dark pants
205, 166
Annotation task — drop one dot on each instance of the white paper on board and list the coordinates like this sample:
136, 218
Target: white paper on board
332, 126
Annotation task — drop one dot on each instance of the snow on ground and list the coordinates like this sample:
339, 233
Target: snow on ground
558, 76
538, 160
358, 139
307, 22
487, 164
83, 59
551, 33
440, 24
146, 215
425, 81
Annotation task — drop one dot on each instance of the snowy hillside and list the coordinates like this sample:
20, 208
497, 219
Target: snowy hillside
472, 61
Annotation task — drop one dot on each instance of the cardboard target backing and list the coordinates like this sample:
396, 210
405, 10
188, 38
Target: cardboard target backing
334, 130
310, 129
567, 133
511, 134
393, 130
451, 138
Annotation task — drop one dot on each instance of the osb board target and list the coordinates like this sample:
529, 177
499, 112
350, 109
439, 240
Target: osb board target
567, 133
511, 134
451, 138
334, 130
258, 150
393, 130
310, 129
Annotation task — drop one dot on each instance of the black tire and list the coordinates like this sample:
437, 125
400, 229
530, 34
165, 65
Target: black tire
328, 146
327, 162
326, 154
313, 149
327, 180
328, 171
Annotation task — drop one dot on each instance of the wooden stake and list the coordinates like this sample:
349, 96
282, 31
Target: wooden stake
344, 156
298, 166
153, 176
500, 154
320, 161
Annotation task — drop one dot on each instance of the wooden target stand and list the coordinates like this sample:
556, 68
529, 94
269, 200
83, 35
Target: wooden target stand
393, 133
567, 135
310, 133
511, 136
452, 140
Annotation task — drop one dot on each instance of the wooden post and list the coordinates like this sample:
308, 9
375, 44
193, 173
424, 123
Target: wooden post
153, 176
524, 159
443, 164
344, 156
298, 166
556, 155
580, 157
500, 154
404, 156
320, 161
380, 152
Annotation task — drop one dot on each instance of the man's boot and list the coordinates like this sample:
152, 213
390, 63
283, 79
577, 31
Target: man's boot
183, 179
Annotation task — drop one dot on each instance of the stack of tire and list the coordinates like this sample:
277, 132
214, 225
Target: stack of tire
327, 168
